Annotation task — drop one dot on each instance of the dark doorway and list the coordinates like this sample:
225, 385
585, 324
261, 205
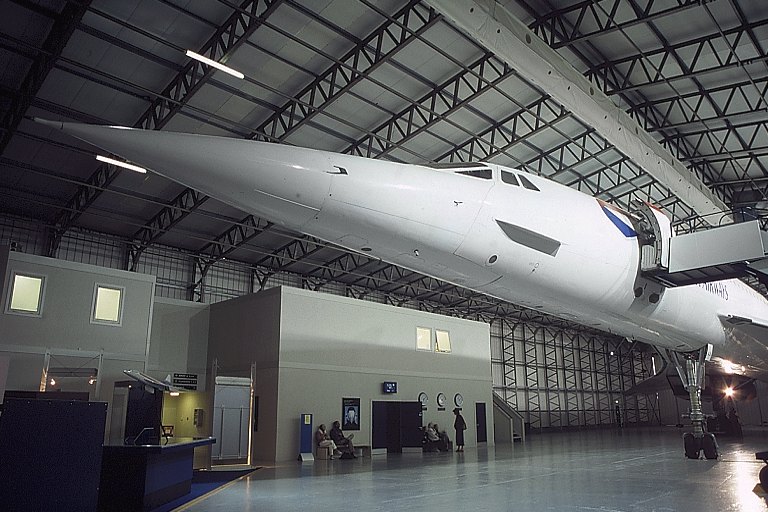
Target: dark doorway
482, 433
396, 425
143, 415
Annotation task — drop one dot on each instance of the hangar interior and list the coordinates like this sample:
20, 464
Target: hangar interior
662, 101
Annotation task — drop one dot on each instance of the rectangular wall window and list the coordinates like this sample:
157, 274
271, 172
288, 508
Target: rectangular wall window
423, 338
442, 341
107, 305
26, 296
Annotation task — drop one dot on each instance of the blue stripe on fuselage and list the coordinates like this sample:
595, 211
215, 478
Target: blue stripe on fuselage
623, 226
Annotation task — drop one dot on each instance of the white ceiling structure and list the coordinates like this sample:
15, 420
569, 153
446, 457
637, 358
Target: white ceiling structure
412, 81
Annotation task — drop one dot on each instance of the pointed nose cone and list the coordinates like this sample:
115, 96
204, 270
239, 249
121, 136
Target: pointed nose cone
284, 184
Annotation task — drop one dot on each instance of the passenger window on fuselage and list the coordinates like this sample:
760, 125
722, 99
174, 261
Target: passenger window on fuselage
508, 177
478, 173
527, 183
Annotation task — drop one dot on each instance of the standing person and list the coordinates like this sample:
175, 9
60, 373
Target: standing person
460, 425
735, 423
343, 443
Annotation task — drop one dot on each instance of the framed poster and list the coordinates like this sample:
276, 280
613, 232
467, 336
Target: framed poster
350, 414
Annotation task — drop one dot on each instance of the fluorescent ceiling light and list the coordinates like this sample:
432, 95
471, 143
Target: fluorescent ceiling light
215, 64
118, 163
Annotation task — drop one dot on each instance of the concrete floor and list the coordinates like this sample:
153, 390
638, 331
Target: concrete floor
601, 470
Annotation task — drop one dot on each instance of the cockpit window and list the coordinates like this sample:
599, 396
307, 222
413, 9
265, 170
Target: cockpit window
478, 173
527, 183
508, 177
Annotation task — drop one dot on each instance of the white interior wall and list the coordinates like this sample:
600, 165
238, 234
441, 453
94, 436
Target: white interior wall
335, 347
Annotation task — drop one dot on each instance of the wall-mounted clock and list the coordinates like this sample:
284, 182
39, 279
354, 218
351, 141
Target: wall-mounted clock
440, 400
423, 398
458, 399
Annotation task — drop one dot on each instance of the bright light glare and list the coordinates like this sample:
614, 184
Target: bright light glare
174, 393
729, 392
118, 163
215, 64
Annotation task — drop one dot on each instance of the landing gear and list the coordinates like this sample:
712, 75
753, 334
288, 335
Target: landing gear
690, 368
709, 446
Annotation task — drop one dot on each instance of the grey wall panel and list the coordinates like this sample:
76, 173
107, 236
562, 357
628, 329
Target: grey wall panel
179, 341
243, 332
65, 320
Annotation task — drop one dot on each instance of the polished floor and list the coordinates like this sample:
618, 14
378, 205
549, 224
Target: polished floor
604, 470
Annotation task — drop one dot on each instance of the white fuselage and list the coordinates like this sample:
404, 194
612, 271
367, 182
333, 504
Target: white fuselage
553, 249
444, 224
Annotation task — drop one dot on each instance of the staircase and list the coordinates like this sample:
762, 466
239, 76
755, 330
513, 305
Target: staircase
508, 424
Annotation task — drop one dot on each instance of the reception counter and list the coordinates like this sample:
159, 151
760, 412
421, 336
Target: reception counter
144, 477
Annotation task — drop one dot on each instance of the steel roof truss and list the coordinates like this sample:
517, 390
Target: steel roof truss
377, 48
63, 27
219, 46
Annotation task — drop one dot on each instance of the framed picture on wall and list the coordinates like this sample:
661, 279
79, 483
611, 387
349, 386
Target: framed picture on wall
350, 414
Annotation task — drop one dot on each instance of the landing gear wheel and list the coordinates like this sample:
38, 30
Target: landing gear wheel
692, 446
764, 477
709, 446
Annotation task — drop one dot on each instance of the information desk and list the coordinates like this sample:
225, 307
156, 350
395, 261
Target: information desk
144, 477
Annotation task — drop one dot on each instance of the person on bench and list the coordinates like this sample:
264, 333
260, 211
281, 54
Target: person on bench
343, 443
323, 440
433, 439
443, 440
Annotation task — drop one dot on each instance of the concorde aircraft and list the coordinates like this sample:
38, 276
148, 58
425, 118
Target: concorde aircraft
489, 228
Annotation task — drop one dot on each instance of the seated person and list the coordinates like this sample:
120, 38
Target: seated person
432, 438
443, 441
323, 439
343, 443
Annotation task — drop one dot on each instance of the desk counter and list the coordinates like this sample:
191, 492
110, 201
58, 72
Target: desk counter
143, 477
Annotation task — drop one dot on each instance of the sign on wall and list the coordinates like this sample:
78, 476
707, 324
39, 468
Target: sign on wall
185, 381
350, 413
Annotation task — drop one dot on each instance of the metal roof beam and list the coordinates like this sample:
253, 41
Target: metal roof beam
170, 215
753, 152
514, 43
369, 54
63, 27
687, 68
656, 114
563, 27
348, 263
232, 34
448, 97
231, 240
293, 252
503, 135
667, 68
220, 46
754, 129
